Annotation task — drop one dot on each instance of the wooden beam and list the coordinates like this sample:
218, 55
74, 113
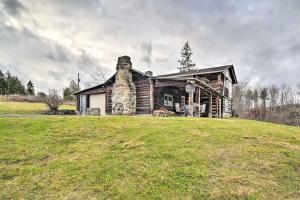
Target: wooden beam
217, 106
210, 105
151, 96
165, 83
199, 101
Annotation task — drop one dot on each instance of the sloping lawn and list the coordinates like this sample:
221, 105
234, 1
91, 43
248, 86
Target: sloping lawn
24, 108
55, 157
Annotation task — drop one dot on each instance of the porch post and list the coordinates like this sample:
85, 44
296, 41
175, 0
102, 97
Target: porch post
217, 107
199, 104
191, 103
151, 97
210, 105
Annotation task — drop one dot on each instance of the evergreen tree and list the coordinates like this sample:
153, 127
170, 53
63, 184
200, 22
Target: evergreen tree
74, 87
2, 84
9, 84
186, 62
264, 96
15, 86
67, 95
30, 88
69, 91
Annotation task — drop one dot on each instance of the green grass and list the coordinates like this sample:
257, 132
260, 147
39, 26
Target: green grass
56, 157
25, 108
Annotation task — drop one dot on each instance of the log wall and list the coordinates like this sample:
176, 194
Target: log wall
159, 93
142, 85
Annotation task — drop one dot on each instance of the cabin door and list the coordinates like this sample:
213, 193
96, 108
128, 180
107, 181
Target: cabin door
82, 104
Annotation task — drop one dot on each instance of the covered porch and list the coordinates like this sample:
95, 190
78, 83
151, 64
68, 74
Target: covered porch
187, 97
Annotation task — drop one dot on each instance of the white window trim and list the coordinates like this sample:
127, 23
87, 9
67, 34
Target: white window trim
168, 102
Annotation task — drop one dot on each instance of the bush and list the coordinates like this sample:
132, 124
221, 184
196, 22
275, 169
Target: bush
18, 98
40, 96
53, 100
60, 112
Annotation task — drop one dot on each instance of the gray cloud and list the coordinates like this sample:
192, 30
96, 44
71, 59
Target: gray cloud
13, 7
55, 40
146, 48
295, 49
56, 75
58, 53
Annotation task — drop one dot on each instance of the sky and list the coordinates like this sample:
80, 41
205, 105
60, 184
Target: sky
50, 41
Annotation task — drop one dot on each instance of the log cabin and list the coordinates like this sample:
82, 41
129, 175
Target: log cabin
203, 92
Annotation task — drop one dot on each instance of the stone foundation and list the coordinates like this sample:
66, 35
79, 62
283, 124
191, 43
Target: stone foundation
93, 111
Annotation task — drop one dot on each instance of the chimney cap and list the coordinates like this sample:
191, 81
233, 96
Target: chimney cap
124, 59
149, 73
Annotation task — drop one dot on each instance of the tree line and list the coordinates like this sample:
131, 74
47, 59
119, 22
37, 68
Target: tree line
68, 92
273, 103
11, 84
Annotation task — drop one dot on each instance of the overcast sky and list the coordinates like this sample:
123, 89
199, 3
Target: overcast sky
50, 41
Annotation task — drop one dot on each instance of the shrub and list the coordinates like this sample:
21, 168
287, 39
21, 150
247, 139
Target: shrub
18, 98
53, 100
40, 96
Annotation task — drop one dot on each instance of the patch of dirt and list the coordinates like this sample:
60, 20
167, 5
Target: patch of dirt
249, 137
199, 133
284, 144
132, 144
239, 192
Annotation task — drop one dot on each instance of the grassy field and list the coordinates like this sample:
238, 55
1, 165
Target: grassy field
25, 108
71, 157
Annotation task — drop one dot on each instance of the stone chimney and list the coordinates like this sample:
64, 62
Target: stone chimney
123, 91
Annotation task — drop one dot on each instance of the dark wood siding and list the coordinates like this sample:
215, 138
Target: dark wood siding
142, 96
108, 102
77, 102
142, 84
159, 97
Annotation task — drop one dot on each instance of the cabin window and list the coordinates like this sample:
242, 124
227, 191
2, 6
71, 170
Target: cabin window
168, 100
226, 92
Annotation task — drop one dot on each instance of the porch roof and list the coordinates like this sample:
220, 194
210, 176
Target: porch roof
210, 70
197, 81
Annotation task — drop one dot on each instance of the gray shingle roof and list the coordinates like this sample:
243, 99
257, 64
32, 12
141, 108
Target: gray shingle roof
179, 74
210, 70
199, 71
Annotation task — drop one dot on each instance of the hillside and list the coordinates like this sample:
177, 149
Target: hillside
147, 157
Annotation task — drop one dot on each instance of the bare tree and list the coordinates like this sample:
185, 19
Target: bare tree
282, 103
273, 95
255, 98
97, 78
238, 97
298, 93
53, 100
285, 95
248, 99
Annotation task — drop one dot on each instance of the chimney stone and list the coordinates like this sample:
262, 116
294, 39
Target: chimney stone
149, 73
123, 91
